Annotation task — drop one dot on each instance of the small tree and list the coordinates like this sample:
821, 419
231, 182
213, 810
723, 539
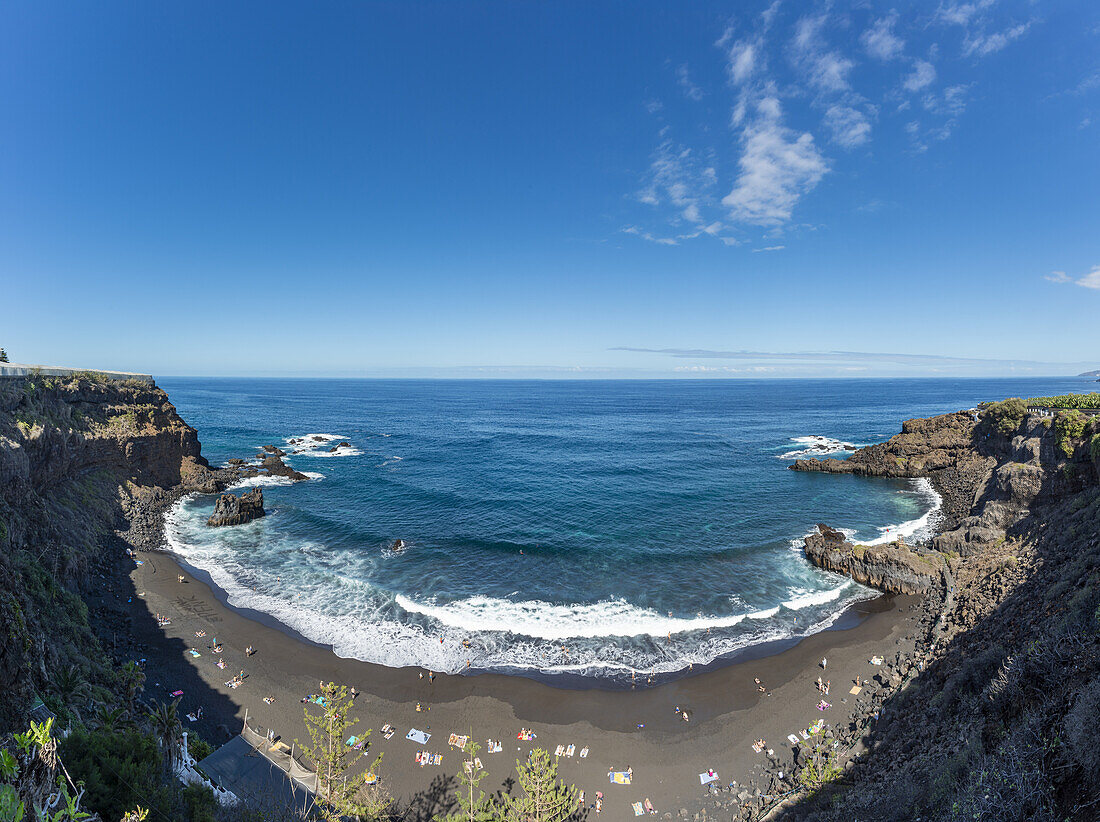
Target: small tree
473, 804
133, 679
3, 355
544, 798
166, 727
338, 795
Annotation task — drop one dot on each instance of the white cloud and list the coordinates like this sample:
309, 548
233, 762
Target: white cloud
961, 13
825, 69
769, 248
924, 73
1089, 280
692, 91
880, 40
645, 235
850, 127
777, 168
986, 44
742, 61
1092, 279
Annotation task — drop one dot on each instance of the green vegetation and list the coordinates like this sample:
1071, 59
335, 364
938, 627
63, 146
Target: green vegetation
821, 766
1069, 427
473, 803
332, 760
1068, 401
1006, 416
543, 797
1094, 452
3, 355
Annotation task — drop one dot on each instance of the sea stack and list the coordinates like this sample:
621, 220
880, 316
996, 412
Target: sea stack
233, 510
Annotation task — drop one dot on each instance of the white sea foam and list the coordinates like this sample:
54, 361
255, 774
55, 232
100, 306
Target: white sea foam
319, 445
325, 599
264, 480
805, 599
913, 530
817, 446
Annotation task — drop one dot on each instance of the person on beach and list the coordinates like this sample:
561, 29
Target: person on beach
824, 662
820, 684
827, 682
759, 685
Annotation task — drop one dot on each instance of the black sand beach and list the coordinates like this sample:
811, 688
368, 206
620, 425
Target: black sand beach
639, 729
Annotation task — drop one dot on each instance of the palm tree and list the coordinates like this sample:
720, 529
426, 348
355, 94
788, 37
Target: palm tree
167, 729
109, 719
70, 684
133, 677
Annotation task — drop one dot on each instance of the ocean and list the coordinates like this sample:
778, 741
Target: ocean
594, 529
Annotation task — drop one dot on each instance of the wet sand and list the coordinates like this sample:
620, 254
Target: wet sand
636, 728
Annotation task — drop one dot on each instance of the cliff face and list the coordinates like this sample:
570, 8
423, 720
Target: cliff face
86, 468
998, 716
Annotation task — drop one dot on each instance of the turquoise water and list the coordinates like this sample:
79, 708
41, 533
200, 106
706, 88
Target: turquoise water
594, 528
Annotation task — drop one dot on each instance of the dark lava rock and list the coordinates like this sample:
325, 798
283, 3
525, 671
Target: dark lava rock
236, 461
277, 468
271, 449
233, 510
398, 545
892, 568
315, 438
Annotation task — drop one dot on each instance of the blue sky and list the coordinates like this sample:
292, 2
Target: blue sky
555, 189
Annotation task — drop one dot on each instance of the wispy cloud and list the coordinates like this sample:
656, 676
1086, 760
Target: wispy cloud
692, 91
923, 75
844, 357
1089, 280
850, 127
826, 69
769, 248
982, 45
777, 167
879, 40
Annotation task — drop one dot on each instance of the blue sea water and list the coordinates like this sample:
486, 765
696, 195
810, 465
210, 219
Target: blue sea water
583, 527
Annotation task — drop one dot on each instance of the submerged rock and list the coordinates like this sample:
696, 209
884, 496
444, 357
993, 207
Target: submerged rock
233, 510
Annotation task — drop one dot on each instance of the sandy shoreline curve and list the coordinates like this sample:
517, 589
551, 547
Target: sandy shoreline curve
639, 728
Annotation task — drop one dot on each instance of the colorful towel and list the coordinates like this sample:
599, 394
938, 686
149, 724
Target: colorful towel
193, 652
638, 809
176, 693
707, 776
570, 750
584, 752
855, 690
619, 778
792, 739
419, 737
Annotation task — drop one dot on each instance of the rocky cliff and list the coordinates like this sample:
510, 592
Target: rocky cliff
87, 467
998, 715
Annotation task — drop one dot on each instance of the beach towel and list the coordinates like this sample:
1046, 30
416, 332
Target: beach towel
139, 562
584, 752
457, 741
707, 776
619, 778
418, 736
823, 705
638, 809
805, 734
221, 664
493, 747
477, 763
792, 739
559, 750
388, 731
192, 718
371, 779
855, 690
570, 750
193, 652
176, 693
757, 747
352, 740
876, 660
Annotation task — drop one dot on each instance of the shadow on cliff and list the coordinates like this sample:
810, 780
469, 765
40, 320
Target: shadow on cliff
1003, 724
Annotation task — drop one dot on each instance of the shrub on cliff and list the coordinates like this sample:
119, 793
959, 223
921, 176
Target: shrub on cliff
1006, 416
1068, 428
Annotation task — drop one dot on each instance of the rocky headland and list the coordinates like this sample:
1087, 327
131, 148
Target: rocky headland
996, 714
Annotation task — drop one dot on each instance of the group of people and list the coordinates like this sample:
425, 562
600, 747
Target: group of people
823, 687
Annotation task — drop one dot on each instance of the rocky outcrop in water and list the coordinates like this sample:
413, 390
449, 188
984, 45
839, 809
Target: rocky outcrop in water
277, 468
233, 510
893, 568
